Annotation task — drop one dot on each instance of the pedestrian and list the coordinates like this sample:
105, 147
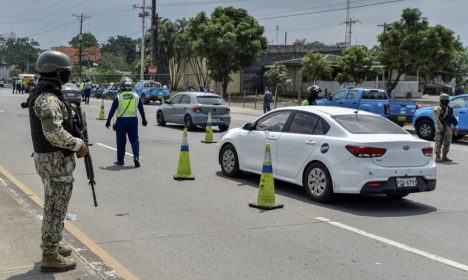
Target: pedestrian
126, 104
267, 98
54, 144
444, 118
314, 91
13, 85
87, 91
19, 85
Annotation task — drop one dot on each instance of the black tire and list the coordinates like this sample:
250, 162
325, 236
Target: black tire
425, 129
457, 137
397, 196
229, 161
188, 122
223, 127
318, 183
160, 118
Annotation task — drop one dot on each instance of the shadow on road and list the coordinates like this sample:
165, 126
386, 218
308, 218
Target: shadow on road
360, 205
117, 167
34, 273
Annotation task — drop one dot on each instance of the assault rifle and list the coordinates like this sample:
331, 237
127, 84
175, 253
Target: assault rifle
80, 121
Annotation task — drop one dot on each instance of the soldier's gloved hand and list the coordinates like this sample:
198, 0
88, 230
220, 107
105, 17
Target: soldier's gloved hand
144, 123
107, 125
82, 151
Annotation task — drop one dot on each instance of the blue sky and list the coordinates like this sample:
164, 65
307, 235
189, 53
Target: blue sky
51, 22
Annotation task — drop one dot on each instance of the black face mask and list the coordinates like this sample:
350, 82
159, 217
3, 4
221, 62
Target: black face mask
64, 76
444, 102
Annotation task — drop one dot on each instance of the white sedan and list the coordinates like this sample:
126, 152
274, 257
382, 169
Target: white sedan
331, 150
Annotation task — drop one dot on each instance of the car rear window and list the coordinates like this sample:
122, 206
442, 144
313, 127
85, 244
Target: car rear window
374, 94
367, 124
210, 100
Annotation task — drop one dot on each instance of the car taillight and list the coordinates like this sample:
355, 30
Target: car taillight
387, 109
197, 109
427, 151
365, 152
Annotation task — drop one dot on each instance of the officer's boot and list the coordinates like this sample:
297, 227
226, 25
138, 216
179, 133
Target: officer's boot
56, 263
438, 158
445, 158
64, 250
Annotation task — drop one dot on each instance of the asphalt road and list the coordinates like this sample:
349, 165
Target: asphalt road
159, 228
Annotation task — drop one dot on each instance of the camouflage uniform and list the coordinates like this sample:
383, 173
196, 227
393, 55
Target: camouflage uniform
55, 168
443, 135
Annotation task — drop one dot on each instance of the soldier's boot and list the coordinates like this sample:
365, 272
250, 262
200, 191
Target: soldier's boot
438, 158
445, 158
64, 250
57, 263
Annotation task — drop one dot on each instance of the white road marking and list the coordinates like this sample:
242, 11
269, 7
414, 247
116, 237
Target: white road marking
113, 149
3, 182
1, 111
396, 244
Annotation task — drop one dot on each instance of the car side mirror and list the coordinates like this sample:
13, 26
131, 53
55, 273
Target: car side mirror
247, 126
167, 102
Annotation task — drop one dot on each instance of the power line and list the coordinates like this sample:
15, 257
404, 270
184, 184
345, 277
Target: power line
330, 10
22, 5
81, 18
143, 14
202, 3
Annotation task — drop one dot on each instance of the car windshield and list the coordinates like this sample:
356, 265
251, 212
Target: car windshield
210, 100
70, 86
367, 124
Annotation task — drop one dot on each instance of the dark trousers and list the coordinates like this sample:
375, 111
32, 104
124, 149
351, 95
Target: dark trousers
124, 127
266, 107
87, 94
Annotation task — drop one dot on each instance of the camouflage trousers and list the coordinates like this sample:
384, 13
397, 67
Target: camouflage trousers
56, 171
442, 140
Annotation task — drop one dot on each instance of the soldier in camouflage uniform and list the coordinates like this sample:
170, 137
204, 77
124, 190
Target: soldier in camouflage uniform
444, 118
55, 142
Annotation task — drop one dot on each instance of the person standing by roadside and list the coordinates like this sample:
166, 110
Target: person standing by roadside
126, 104
54, 144
13, 84
87, 91
267, 98
314, 91
445, 118
19, 87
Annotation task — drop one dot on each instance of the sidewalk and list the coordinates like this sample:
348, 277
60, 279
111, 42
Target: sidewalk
20, 235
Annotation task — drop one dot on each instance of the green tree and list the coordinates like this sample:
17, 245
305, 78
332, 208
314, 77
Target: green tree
230, 40
181, 52
22, 52
121, 46
111, 62
197, 61
315, 67
277, 78
459, 68
354, 64
88, 41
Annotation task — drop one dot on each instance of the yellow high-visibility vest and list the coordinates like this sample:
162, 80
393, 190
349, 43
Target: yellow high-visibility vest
127, 100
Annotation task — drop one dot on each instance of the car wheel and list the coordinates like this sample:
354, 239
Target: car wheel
397, 196
229, 161
188, 122
318, 183
223, 127
160, 118
457, 137
425, 129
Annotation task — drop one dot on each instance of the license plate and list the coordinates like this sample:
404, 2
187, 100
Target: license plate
406, 182
216, 120
70, 94
401, 118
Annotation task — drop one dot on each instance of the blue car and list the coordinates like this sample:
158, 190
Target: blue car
423, 120
151, 91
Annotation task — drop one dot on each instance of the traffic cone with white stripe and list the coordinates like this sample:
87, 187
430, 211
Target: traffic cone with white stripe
209, 131
102, 114
184, 171
266, 190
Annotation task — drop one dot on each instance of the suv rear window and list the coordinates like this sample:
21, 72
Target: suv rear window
210, 100
367, 124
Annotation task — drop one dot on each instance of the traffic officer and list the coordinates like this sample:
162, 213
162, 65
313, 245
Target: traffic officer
444, 118
54, 143
314, 91
126, 104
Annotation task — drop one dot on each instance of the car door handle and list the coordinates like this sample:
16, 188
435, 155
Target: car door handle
310, 142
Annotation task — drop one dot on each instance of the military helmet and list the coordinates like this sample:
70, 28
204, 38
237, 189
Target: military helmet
126, 82
51, 61
444, 96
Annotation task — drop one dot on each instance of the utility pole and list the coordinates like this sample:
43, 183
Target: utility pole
154, 33
349, 22
277, 30
384, 25
81, 18
143, 14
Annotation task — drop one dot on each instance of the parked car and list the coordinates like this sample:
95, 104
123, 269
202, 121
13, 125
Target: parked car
110, 92
151, 91
374, 101
331, 150
192, 108
72, 93
2, 83
423, 120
